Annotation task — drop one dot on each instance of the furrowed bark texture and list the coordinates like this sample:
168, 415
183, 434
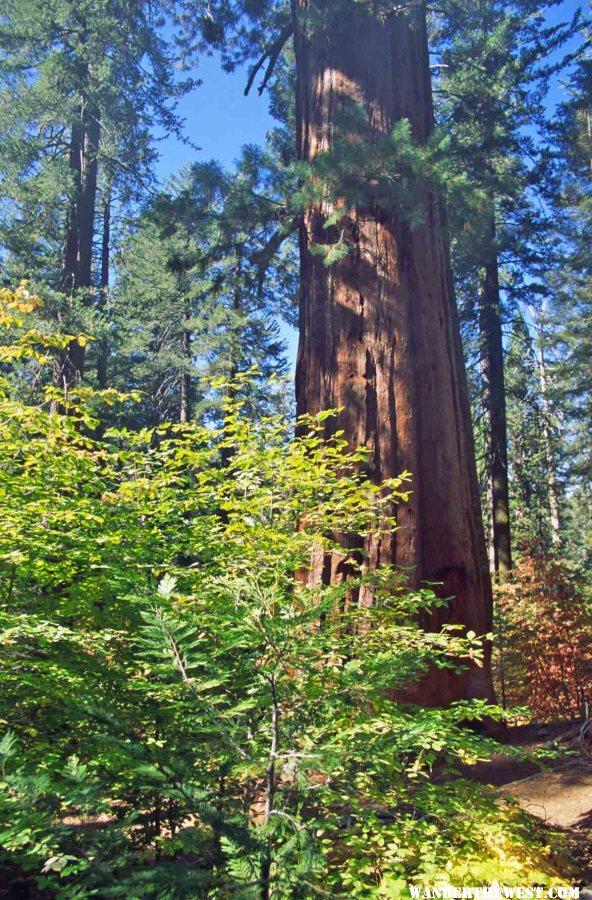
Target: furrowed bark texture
379, 332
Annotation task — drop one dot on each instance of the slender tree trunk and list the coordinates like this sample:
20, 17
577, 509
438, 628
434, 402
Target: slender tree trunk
494, 408
103, 360
552, 489
379, 330
70, 273
237, 303
488, 517
68, 361
88, 196
234, 359
270, 788
185, 410
78, 243
186, 399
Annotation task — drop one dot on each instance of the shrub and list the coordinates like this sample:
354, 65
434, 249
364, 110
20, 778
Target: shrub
183, 716
544, 647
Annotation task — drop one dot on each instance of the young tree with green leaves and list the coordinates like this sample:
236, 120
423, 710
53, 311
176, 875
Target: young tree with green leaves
220, 728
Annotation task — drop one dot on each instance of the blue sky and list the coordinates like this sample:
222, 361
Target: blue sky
218, 118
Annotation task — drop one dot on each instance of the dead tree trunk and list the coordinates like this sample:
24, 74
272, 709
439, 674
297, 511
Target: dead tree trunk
379, 331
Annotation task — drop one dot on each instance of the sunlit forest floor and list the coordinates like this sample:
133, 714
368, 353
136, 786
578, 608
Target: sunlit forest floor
559, 793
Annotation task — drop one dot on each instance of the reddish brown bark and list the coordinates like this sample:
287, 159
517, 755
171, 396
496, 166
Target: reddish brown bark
379, 332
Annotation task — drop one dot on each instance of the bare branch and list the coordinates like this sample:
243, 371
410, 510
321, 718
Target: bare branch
271, 53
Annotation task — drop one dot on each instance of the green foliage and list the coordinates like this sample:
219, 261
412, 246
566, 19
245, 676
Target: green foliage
490, 90
570, 310
367, 170
203, 279
61, 59
184, 712
83, 87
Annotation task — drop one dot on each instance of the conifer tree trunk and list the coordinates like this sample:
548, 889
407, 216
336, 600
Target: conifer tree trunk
69, 276
78, 243
103, 359
379, 334
553, 492
185, 406
88, 195
494, 408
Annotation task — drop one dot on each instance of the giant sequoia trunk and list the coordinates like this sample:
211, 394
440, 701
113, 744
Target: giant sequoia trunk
379, 332
78, 241
494, 408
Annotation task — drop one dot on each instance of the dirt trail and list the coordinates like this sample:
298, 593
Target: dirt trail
560, 794
562, 797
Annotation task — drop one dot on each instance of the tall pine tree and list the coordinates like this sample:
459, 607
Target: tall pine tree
81, 87
569, 344
493, 73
